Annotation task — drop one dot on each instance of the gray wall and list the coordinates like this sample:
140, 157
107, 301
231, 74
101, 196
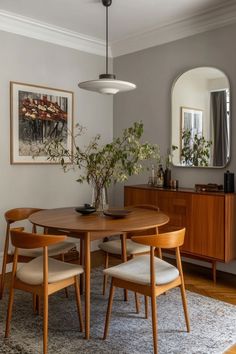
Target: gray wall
154, 70
35, 62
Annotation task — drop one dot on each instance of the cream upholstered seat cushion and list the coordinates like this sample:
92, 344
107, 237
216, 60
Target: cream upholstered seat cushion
137, 270
32, 272
53, 250
114, 247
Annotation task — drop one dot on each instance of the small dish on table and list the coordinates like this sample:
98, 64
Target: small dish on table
85, 209
117, 213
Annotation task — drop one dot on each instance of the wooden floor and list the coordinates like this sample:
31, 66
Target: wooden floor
199, 280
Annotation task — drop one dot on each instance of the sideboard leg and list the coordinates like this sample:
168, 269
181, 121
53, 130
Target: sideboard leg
214, 271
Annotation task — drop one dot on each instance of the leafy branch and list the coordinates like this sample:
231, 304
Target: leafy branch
104, 164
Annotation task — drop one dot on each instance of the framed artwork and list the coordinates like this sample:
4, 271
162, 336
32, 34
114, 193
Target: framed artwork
38, 114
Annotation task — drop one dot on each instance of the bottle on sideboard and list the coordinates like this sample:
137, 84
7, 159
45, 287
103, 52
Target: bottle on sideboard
167, 178
160, 177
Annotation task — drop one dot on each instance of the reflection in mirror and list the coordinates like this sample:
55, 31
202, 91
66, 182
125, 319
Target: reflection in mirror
201, 118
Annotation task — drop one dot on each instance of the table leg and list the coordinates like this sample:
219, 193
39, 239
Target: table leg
87, 268
124, 258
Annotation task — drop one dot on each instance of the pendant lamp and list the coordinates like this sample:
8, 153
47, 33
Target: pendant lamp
107, 83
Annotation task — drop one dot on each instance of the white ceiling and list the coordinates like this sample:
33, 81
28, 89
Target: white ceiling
128, 18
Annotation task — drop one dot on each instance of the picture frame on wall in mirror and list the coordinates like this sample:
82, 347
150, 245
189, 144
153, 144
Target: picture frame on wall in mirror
191, 120
39, 114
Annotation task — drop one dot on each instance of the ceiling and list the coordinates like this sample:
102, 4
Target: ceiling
128, 18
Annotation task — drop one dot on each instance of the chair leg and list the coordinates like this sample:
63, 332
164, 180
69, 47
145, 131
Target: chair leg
109, 307
78, 301
154, 323
159, 253
35, 310
146, 306
2, 281
9, 311
36, 304
125, 295
184, 302
105, 276
81, 262
45, 324
39, 305
137, 302
63, 260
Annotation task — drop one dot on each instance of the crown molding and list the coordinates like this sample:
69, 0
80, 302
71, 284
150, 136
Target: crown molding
25, 26
222, 15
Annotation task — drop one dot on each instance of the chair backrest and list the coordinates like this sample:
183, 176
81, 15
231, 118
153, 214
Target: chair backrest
14, 215
18, 214
167, 240
173, 239
26, 240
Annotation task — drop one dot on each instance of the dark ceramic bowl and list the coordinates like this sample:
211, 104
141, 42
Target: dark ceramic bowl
85, 209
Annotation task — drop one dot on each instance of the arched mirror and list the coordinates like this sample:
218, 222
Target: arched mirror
201, 119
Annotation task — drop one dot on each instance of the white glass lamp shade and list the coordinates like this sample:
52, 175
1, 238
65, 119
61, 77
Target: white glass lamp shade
107, 86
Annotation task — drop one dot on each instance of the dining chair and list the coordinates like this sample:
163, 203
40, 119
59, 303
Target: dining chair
42, 276
150, 275
113, 248
22, 214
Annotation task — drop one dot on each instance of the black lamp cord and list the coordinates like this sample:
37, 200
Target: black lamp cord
106, 39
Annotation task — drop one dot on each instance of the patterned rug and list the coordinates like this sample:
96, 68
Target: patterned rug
213, 325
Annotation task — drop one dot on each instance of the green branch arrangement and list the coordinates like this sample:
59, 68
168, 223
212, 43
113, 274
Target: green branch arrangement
102, 165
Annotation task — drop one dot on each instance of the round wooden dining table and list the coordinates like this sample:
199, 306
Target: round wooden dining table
97, 226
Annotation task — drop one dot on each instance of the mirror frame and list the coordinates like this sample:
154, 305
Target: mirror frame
230, 119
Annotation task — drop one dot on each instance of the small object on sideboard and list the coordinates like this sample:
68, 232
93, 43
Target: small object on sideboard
210, 187
160, 177
174, 184
167, 178
228, 182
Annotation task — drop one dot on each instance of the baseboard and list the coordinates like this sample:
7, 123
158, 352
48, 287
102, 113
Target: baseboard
201, 263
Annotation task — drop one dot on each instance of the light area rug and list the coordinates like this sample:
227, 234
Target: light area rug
213, 325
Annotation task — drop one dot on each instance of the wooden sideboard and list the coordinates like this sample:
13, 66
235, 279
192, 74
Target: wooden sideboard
209, 218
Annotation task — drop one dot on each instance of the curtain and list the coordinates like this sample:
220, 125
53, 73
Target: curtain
220, 127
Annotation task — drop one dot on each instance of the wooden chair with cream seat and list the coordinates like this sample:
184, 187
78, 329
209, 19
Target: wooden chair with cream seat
150, 275
21, 214
42, 276
113, 248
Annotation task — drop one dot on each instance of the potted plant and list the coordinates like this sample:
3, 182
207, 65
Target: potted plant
102, 165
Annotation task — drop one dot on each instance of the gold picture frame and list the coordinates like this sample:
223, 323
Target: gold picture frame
38, 114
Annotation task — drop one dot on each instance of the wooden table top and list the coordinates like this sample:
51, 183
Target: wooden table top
69, 219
